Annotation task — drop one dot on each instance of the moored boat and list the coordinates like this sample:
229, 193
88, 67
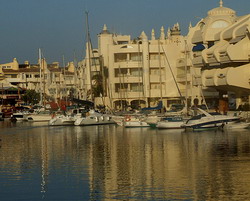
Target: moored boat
237, 125
18, 116
171, 122
134, 122
66, 119
62, 120
206, 121
1, 116
40, 116
93, 118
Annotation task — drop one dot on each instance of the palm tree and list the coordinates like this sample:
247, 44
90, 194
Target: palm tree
97, 87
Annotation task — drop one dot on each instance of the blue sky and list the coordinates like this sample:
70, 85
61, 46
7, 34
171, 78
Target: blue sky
59, 26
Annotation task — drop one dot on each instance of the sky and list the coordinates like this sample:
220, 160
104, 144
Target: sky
58, 27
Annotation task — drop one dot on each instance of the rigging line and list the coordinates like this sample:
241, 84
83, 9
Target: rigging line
120, 88
89, 61
203, 97
195, 76
172, 73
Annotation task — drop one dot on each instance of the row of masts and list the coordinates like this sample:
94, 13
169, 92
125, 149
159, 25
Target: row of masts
42, 79
140, 72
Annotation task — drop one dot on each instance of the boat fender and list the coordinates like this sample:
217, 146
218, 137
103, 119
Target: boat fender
53, 115
128, 118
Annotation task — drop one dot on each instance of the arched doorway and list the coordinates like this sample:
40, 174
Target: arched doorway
138, 104
120, 105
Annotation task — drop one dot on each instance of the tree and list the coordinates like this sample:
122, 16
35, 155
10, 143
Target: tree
97, 87
31, 97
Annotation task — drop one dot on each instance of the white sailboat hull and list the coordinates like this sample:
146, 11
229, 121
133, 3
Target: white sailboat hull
93, 120
62, 121
170, 125
133, 124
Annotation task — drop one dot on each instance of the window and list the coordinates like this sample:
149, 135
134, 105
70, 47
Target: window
136, 72
121, 72
6, 67
220, 24
136, 56
156, 71
122, 42
119, 57
155, 56
95, 61
121, 87
136, 87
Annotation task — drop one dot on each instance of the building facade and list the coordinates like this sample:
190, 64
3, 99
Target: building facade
143, 71
221, 52
50, 80
210, 64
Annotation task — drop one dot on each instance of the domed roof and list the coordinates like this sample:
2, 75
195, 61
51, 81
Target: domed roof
221, 11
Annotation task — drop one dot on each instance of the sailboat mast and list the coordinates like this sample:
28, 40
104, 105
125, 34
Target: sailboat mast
65, 80
139, 74
186, 82
89, 56
159, 55
40, 65
44, 93
172, 73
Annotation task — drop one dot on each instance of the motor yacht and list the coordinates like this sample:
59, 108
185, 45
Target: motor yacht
67, 119
205, 120
93, 118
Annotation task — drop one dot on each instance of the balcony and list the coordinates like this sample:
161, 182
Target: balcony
155, 63
128, 94
127, 79
156, 78
128, 64
14, 80
183, 78
198, 60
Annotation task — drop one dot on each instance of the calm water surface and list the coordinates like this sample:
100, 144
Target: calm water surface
108, 162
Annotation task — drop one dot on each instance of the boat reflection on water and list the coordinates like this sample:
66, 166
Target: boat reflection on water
109, 162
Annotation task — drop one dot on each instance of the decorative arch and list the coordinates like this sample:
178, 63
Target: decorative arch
138, 104
120, 104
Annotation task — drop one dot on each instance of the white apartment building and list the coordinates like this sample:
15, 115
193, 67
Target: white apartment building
52, 81
221, 52
210, 64
143, 71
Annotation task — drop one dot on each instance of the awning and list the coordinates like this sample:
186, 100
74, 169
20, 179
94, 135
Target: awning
158, 107
198, 47
83, 102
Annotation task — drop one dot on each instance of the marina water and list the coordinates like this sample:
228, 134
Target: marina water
38, 162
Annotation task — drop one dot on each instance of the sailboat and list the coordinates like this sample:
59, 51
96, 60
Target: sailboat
41, 114
171, 122
173, 119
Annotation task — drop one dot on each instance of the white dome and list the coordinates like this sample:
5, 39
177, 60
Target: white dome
221, 11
